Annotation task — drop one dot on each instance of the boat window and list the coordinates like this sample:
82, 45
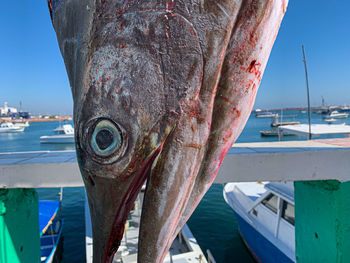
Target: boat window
288, 212
271, 202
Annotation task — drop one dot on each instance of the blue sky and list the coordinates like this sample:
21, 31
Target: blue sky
32, 69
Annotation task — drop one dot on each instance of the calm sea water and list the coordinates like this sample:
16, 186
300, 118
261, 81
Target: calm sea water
213, 223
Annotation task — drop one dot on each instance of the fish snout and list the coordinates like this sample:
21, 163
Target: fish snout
114, 172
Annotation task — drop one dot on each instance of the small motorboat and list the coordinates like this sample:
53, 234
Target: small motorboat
272, 133
265, 215
62, 134
266, 114
50, 230
9, 127
337, 115
277, 123
330, 120
21, 124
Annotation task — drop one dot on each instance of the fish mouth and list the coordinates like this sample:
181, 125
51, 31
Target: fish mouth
126, 204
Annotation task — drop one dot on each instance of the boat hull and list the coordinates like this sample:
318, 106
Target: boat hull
260, 247
49, 245
11, 130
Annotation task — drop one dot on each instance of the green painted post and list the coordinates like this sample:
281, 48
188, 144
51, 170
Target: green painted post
322, 221
19, 226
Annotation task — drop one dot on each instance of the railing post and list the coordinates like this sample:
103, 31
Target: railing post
322, 226
19, 226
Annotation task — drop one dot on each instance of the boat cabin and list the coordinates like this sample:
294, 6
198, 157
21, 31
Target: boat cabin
7, 125
265, 215
64, 129
275, 211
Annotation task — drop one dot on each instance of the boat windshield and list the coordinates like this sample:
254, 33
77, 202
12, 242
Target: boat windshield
271, 202
60, 132
288, 212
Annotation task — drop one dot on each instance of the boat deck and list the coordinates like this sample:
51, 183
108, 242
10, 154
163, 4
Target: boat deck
184, 249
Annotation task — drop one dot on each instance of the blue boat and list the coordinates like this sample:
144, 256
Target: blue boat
265, 216
50, 229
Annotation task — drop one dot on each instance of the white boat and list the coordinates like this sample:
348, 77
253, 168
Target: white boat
21, 124
62, 134
266, 114
265, 215
337, 115
330, 120
8, 127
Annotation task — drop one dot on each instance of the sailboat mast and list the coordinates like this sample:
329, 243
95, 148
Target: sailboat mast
308, 93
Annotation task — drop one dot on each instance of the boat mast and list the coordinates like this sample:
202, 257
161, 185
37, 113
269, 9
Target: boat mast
308, 93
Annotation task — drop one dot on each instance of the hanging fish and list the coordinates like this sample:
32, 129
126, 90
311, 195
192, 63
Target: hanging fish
161, 90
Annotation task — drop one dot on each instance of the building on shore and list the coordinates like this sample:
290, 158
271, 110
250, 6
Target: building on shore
6, 110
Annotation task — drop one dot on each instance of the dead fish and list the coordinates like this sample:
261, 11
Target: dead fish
161, 90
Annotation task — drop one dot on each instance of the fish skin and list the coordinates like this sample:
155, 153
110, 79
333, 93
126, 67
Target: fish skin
245, 61
173, 177
162, 72
251, 37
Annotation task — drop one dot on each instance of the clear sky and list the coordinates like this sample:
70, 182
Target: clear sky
32, 69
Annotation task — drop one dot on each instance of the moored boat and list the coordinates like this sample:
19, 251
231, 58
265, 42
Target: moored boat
277, 123
62, 135
337, 115
266, 114
265, 215
271, 133
9, 127
330, 120
50, 230
21, 124
185, 248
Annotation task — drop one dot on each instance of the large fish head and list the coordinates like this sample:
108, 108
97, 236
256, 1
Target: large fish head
128, 87
120, 127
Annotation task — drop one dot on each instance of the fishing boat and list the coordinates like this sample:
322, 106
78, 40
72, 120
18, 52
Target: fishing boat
265, 215
9, 127
62, 134
265, 114
50, 230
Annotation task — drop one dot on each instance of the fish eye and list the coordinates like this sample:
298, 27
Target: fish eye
105, 139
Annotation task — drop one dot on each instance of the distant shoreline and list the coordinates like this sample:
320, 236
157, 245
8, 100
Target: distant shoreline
301, 108
36, 119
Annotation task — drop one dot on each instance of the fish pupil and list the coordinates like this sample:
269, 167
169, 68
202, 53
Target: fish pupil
104, 139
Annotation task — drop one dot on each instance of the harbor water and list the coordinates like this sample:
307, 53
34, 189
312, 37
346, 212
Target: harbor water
213, 223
